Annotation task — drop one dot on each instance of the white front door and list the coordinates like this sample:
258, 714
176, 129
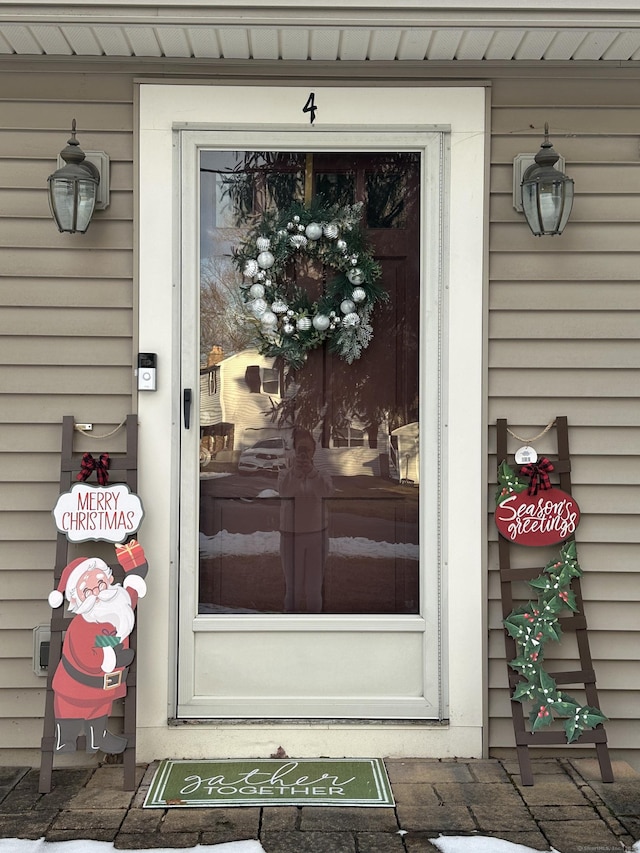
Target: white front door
385, 621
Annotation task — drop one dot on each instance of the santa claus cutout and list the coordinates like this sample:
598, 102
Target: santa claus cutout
95, 654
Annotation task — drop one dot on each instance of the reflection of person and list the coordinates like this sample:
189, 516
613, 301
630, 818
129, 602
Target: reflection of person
95, 655
304, 535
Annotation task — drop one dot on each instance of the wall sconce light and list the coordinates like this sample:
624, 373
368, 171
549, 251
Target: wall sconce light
542, 192
74, 188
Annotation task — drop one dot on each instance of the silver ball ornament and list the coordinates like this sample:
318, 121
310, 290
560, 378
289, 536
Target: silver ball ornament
288, 329
321, 322
269, 319
351, 320
256, 291
279, 306
263, 244
359, 294
259, 306
313, 231
298, 241
330, 230
341, 245
266, 260
304, 324
347, 306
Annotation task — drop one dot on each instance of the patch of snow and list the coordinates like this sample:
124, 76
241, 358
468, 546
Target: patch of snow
20, 845
225, 544
478, 844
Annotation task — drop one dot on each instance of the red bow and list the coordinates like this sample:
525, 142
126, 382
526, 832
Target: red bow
100, 466
538, 472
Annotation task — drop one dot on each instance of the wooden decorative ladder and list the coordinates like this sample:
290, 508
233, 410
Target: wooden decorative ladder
574, 623
126, 468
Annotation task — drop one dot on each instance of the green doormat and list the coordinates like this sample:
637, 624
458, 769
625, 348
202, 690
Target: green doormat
269, 782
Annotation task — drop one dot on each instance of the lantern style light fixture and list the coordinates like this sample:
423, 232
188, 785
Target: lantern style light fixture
547, 193
73, 188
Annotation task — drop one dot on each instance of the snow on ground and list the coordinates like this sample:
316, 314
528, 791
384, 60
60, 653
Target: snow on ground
19, 845
225, 544
445, 843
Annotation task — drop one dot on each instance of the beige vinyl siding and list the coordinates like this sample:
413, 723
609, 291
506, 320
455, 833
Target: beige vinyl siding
562, 336
66, 330
563, 340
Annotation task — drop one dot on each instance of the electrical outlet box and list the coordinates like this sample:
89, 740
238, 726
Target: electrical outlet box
41, 645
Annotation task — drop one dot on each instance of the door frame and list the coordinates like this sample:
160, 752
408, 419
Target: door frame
461, 110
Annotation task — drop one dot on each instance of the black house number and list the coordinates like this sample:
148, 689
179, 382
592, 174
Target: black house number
310, 107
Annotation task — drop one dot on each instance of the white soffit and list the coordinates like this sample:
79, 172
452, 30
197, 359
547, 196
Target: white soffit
347, 30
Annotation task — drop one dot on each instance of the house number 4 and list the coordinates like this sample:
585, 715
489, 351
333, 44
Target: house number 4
310, 107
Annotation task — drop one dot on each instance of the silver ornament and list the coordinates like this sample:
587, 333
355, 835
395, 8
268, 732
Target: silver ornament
266, 260
321, 322
279, 307
258, 306
304, 324
313, 231
263, 244
355, 275
296, 218
250, 268
298, 241
269, 319
288, 329
350, 320
330, 230
359, 294
341, 245
347, 306
256, 291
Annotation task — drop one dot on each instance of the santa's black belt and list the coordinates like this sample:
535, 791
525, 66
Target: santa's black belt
108, 681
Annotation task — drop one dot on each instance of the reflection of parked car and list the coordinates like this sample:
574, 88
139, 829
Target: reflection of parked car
266, 455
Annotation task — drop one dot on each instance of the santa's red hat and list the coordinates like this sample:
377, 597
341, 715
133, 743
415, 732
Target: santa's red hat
71, 574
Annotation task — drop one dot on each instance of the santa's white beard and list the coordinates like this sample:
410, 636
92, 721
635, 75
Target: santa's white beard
112, 605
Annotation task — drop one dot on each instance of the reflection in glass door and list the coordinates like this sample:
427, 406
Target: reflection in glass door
309, 478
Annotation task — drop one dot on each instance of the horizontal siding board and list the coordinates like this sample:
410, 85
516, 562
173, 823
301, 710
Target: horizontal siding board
580, 120
86, 84
64, 379
14, 702
65, 322
20, 232
582, 414
548, 325
54, 293
27, 496
24, 731
582, 149
560, 382
557, 265
93, 118
514, 91
18, 643
620, 178
15, 614
580, 355
616, 704
588, 237
25, 585
41, 441
618, 557
601, 528
46, 144
37, 555
78, 262
64, 351
623, 735
571, 296
84, 407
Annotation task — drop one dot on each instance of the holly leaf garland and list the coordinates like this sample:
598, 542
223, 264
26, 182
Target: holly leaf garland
531, 626
509, 482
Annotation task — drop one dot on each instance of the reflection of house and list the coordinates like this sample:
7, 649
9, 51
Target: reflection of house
237, 397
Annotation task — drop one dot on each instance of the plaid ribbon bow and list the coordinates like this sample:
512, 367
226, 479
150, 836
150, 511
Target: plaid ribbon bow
100, 466
538, 472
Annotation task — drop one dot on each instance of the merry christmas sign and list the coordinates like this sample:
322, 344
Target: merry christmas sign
534, 513
98, 513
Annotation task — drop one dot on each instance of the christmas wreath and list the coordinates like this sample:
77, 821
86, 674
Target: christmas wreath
533, 624
288, 323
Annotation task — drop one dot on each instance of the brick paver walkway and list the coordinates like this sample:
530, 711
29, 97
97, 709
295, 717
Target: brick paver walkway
568, 808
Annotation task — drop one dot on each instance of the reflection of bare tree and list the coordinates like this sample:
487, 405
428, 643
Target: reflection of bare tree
221, 310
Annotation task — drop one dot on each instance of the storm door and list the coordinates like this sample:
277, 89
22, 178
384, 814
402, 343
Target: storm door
307, 586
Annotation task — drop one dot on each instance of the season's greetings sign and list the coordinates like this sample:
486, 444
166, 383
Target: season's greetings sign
99, 513
536, 513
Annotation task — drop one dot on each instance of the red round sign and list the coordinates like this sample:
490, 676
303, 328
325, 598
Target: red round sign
549, 517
